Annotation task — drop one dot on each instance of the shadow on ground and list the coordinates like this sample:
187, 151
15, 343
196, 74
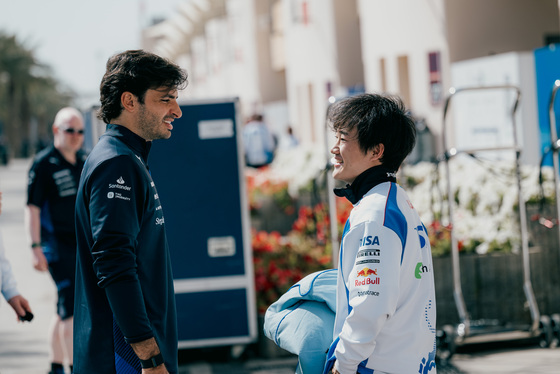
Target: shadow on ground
220, 360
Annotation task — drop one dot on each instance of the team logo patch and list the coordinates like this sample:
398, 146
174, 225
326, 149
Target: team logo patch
120, 185
363, 262
369, 240
420, 269
369, 253
368, 293
367, 281
117, 195
365, 272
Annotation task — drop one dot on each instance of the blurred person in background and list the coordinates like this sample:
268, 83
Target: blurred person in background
258, 142
385, 302
289, 140
125, 318
51, 196
8, 285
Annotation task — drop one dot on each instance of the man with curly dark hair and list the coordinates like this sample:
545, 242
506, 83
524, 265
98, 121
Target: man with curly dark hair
125, 316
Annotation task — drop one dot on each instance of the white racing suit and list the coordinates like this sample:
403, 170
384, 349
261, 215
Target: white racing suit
386, 311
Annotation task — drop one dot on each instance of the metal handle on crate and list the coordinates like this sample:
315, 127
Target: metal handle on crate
455, 91
555, 144
457, 290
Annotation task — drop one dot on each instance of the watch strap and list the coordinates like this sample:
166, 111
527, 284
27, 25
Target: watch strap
152, 362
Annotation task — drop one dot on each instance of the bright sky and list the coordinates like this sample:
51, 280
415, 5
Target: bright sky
76, 37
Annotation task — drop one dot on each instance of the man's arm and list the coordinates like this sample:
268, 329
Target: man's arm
9, 290
34, 227
7, 280
372, 281
147, 349
9, 286
20, 305
36, 195
116, 223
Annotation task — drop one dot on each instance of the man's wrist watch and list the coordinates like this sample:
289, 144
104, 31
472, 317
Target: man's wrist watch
35, 245
152, 362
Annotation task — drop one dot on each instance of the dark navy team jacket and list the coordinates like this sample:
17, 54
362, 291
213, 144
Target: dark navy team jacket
124, 284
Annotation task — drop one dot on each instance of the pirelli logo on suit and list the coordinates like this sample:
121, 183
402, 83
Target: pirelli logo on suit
368, 256
369, 253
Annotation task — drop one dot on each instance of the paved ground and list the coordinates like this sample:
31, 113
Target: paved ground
23, 347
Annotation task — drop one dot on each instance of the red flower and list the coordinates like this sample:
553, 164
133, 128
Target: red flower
280, 261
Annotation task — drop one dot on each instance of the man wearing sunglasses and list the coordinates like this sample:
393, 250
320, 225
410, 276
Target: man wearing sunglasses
51, 196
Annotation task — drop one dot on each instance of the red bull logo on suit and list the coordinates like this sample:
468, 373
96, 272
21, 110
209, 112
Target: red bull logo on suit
366, 272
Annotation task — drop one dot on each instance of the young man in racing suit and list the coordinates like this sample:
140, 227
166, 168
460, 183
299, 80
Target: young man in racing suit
386, 311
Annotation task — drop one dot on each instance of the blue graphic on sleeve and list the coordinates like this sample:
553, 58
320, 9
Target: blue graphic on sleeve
421, 235
428, 365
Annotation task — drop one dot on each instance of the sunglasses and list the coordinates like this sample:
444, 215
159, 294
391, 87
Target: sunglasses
70, 130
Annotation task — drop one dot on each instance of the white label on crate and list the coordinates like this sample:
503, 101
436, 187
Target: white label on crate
221, 246
214, 129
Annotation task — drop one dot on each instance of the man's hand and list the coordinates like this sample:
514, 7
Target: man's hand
145, 350
334, 371
161, 369
39, 259
20, 305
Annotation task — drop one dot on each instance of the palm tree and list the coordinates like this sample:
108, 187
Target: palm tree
27, 93
47, 99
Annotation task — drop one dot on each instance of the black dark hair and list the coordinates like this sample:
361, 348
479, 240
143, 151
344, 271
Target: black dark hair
135, 71
378, 119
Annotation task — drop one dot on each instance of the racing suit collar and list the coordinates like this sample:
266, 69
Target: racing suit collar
137, 143
365, 182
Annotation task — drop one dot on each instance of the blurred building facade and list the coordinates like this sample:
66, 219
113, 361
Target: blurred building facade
285, 58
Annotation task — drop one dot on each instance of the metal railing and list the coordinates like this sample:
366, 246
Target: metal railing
464, 326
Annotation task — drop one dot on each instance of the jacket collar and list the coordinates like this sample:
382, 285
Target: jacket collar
136, 142
365, 182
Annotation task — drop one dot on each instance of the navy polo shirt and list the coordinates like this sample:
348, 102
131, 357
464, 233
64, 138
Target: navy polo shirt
52, 186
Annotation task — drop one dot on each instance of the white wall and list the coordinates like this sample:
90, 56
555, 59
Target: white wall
501, 26
223, 58
310, 65
390, 29
320, 44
